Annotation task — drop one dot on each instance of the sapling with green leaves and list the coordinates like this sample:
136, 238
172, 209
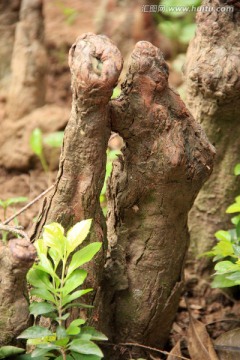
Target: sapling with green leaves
227, 250
56, 279
37, 141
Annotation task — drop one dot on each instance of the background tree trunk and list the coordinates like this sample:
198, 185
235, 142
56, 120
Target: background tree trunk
27, 90
152, 187
9, 15
212, 73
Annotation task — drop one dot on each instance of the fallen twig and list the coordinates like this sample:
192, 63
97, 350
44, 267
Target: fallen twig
28, 205
15, 230
153, 349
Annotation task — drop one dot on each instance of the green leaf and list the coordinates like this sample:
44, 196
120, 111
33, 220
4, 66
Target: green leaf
61, 332
116, 93
39, 278
36, 142
40, 247
6, 351
16, 200
62, 342
85, 347
226, 267
77, 294
54, 139
78, 356
77, 234
187, 33
233, 208
75, 279
237, 170
235, 277
95, 335
223, 235
64, 317
83, 256
220, 281
39, 308
43, 294
73, 328
53, 236
34, 332
236, 249
235, 220
46, 265
41, 351
55, 256
80, 305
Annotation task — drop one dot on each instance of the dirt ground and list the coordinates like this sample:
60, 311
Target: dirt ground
219, 310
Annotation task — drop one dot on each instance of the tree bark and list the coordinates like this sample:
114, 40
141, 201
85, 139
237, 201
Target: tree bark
212, 73
16, 258
27, 89
9, 15
151, 189
95, 64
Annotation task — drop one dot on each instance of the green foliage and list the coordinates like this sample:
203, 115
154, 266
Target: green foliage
37, 140
177, 23
6, 351
56, 279
36, 144
116, 93
111, 156
70, 14
227, 250
54, 139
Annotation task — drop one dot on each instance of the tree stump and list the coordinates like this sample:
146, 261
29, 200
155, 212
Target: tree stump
166, 160
212, 73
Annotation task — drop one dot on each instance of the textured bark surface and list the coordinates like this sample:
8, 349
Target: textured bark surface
152, 188
9, 15
95, 65
153, 185
15, 260
27, 90
213, 95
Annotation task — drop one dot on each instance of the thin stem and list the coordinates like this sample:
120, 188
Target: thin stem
63, 354
28, 205
64, 261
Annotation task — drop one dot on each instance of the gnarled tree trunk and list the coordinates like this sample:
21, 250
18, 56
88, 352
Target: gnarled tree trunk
151, 190
16, 258
9, 16
27, 90
212, 73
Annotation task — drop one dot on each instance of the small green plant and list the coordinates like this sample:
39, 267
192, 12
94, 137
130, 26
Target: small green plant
175, 21
227, 250
5, 204
37, 141
70, 14
55, 280
111, 156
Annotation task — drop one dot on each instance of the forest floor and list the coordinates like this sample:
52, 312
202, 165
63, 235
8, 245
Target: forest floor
219, 310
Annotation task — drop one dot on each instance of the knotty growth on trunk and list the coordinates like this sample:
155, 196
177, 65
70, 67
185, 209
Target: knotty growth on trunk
16, 258
213, 95
153, 185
